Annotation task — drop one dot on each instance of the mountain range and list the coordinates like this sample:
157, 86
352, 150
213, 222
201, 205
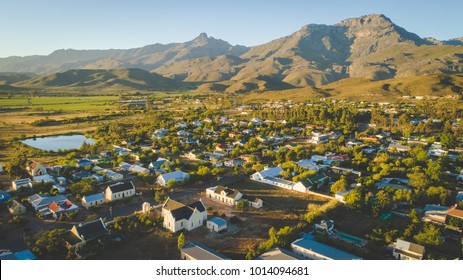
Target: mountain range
371, 47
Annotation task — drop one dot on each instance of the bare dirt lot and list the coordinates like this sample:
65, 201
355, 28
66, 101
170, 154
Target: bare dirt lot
281, 208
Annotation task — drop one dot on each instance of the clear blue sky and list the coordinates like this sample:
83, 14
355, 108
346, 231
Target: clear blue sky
40, 26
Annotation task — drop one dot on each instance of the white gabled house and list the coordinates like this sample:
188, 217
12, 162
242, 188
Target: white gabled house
177, 176
178, 216
404, 250
93, 200
16, 208
216, 224
119, 191
35, 168
21, 183
224, 195
267, 173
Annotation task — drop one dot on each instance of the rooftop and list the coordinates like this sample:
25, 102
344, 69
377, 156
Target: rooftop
308, 242
181, 211
278, 253
121, 186
198, 251
218, 221
91, 230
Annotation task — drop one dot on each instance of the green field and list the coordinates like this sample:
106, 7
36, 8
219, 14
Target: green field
63, 103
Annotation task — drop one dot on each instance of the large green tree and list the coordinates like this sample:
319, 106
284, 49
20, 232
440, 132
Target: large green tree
429, 236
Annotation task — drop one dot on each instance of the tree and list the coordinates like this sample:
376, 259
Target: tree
49, 243
430, 235
434, 171
181, 241
16, 167
449, 140
204, 171
437, 195
160, 196
339, 186
171, 184
413, 215
84, 187
382, 202
355, 198
418, 180
242, 204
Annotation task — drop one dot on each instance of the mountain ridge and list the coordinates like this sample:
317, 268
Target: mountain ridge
371, 47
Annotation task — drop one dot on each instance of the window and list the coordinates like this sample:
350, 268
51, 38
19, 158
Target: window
181, 224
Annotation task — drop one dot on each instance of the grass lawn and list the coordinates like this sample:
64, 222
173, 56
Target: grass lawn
64, 103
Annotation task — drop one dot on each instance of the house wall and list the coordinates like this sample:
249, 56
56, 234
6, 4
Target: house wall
19, 210
214, 227
168, 221
87, 205
119, 195
399, 256
300, 187
257, 204
196, 220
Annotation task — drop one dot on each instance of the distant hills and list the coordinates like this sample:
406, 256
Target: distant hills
370, 47
101, 79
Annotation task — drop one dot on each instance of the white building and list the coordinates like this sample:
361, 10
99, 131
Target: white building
177, 176
36, 169
319, 138
224, 195
119, 191
178, 216
269, 176
93, 200
404, 250
111, 175
216, 224
267, 173
21, 183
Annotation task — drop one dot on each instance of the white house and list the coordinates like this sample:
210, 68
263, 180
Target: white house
266, 173
16, 208
269, 176
233, 163
404, 250
139, 169
36, 169
255, 202
85, 232
224, 195
62, 209
177, 176
21, 183
178, 216
216, 224
119, 191
111, 175
319, 138
44, 178
93, 200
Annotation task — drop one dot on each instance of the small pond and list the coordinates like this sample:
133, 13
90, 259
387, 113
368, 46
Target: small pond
61, 142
